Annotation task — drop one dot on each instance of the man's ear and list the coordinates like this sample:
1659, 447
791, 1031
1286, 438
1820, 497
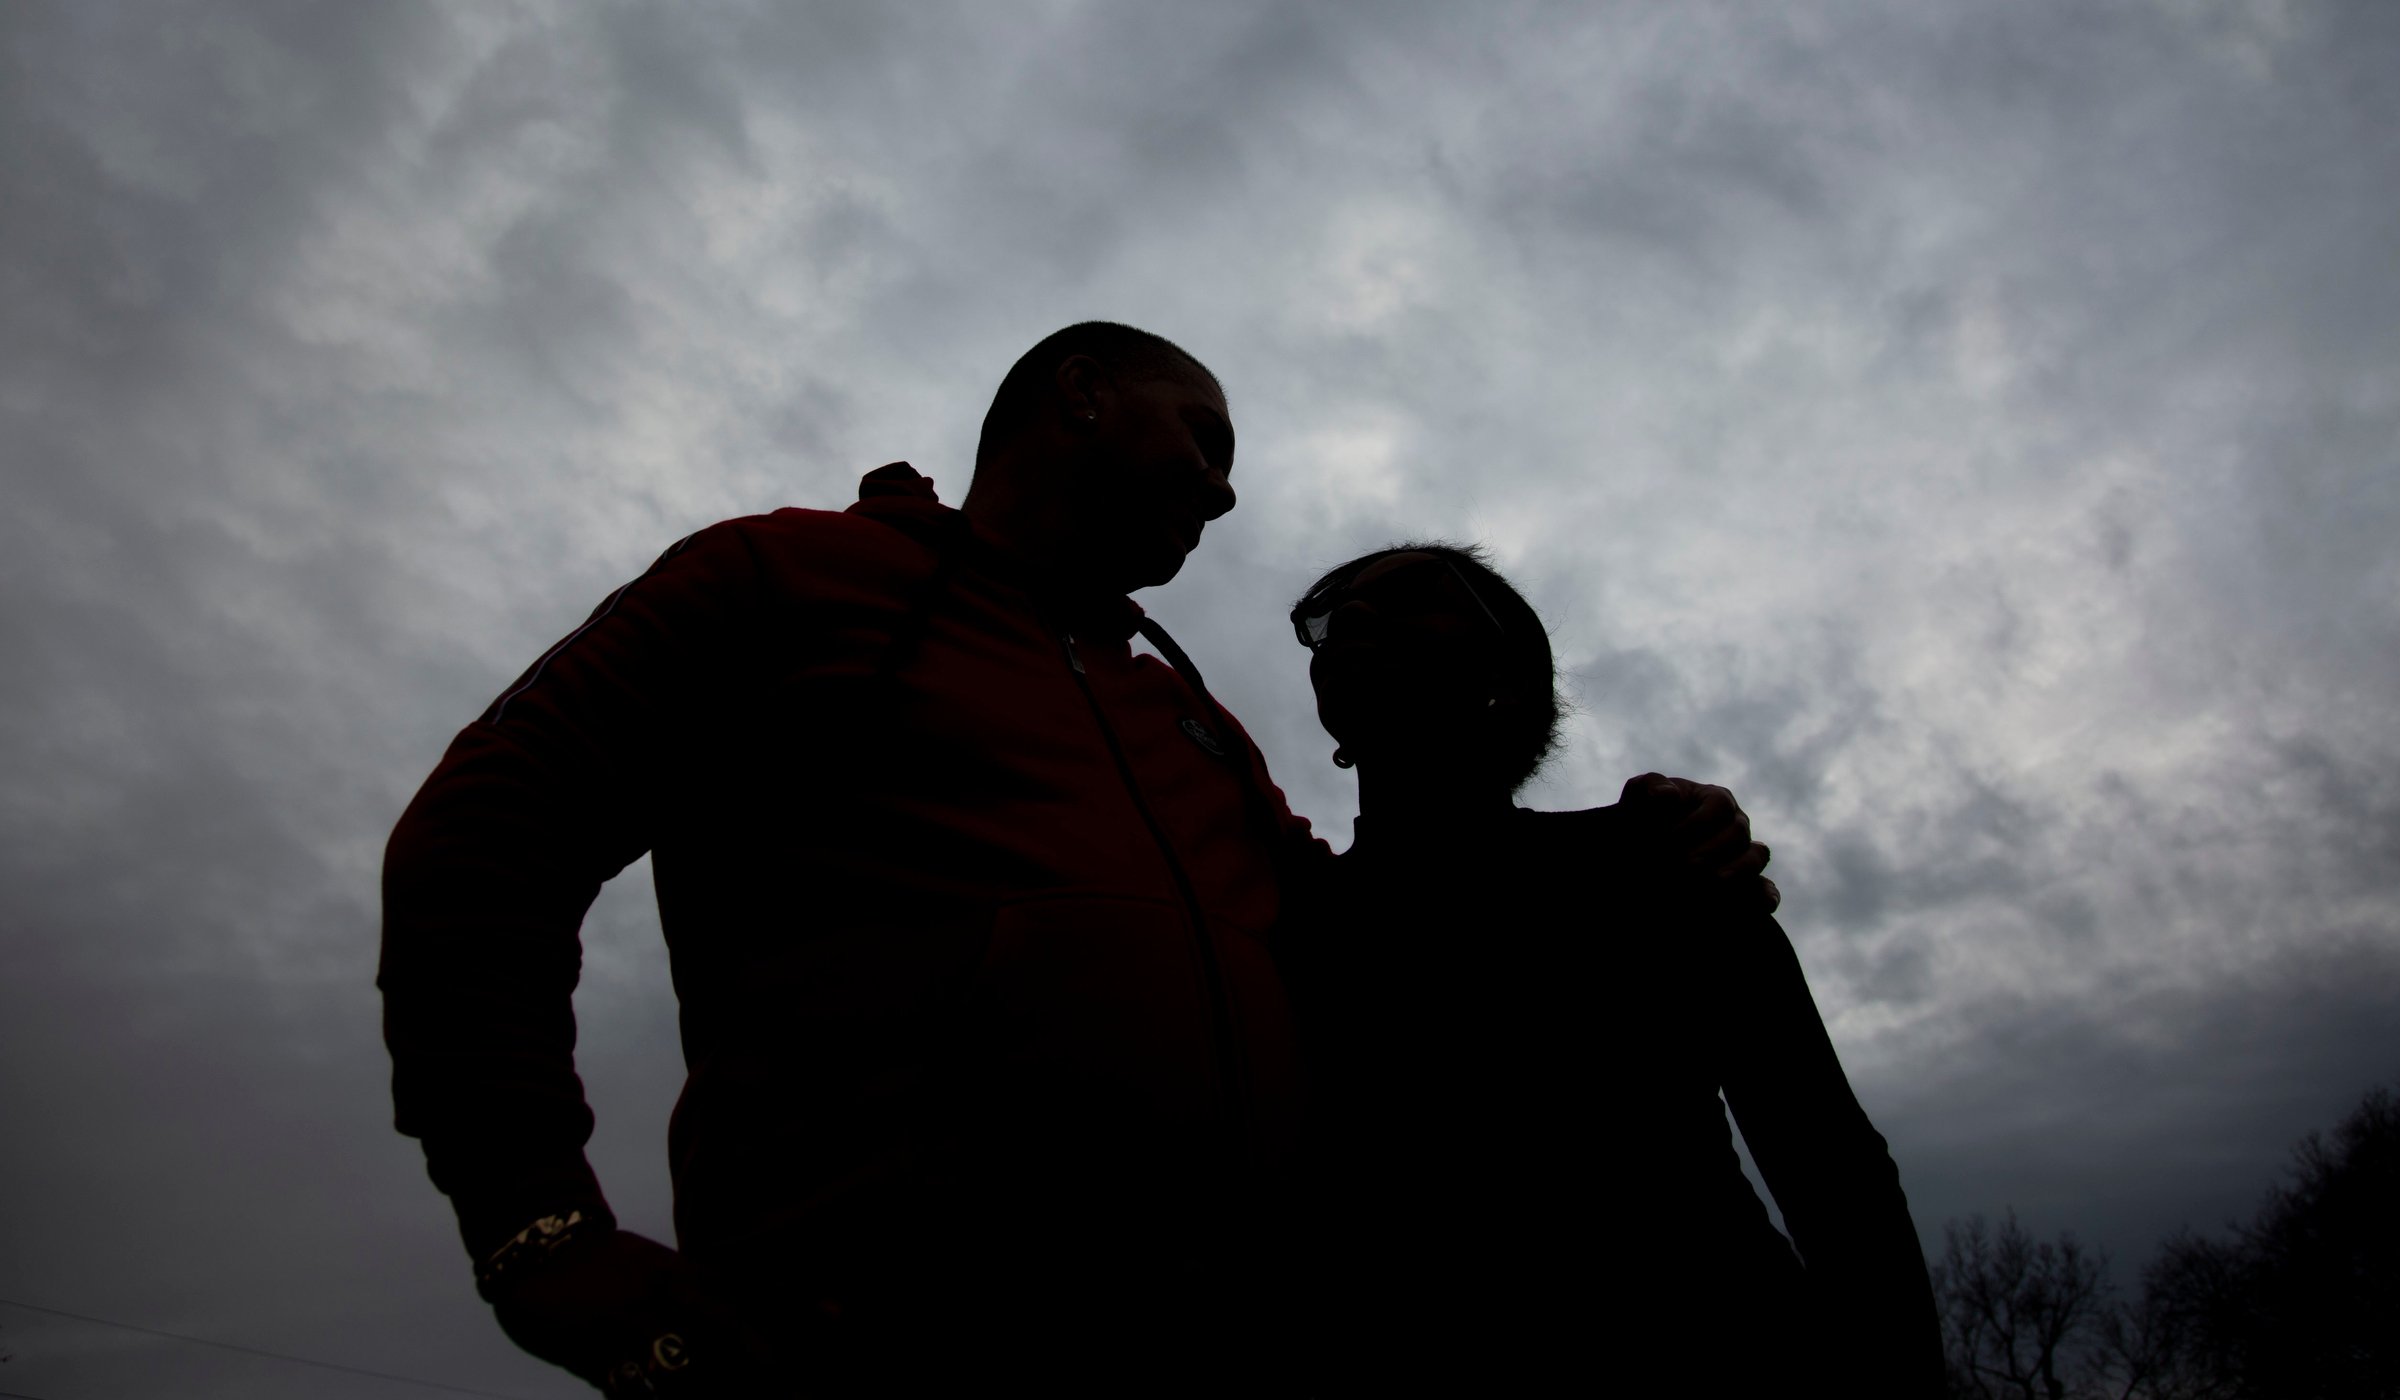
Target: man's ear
1083, 391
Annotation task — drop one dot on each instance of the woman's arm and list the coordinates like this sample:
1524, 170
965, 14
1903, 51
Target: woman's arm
1831, 1172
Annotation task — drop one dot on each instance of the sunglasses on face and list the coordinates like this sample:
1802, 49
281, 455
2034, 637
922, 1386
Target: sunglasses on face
1412, 590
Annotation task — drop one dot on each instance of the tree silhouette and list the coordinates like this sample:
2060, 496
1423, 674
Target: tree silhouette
2014, 1309
2154, 1349
2304, 1300
2302, 1303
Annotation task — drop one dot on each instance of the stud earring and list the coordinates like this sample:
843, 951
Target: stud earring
1340, 759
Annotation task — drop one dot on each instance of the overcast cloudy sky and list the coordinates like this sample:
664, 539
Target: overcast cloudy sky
1971, 432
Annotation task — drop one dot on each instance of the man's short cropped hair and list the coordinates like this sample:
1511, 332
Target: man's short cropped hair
1127, 354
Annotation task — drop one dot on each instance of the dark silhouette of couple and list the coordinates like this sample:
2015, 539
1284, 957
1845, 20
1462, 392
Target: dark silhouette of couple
1034, 1043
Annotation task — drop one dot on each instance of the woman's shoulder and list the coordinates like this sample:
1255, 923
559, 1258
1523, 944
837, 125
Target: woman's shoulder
1586, 825
1589, 842
1602, 848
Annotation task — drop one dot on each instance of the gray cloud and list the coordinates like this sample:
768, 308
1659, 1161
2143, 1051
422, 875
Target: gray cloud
1973, 434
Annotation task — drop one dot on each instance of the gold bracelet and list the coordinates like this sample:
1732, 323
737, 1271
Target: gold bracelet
535, 1242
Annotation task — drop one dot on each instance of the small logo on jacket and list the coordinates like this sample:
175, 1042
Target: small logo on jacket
1203, 738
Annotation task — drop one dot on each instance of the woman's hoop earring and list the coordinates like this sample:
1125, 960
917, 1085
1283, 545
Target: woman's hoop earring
1340, 759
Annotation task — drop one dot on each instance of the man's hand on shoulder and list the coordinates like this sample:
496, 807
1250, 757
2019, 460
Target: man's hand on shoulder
626, 1314
1701, 825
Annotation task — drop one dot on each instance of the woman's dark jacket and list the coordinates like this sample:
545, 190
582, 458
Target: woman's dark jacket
1521, 1170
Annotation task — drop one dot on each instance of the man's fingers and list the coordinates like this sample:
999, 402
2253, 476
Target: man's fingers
1655, 794
1751, 862
1714, 832
1715, 808
664, 1367
1714, 851
1662, 801
1702, 825
1747, 872
626, 1314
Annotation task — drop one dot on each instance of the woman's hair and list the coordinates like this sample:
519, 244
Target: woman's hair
1533, 734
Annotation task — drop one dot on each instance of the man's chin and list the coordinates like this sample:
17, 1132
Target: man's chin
1123, 559
1149, 568
1151, 576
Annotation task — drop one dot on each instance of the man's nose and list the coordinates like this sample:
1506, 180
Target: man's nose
1216, 495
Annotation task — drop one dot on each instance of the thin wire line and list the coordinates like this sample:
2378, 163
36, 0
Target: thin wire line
256, 1351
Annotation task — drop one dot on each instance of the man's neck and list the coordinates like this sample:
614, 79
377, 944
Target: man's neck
1021, 496
1033, 529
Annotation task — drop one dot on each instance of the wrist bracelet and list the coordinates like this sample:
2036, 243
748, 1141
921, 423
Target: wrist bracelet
532, 1244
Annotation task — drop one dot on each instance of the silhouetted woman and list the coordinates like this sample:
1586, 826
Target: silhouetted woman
1519, 1024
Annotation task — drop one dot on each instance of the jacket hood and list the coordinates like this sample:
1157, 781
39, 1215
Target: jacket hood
898, 495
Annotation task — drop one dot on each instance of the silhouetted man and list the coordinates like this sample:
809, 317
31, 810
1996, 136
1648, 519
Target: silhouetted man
967, 905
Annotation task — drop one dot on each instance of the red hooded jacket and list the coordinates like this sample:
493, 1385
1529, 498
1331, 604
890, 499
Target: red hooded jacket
967, 905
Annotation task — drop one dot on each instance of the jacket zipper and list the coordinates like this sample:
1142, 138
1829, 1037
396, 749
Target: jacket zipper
1212, 975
